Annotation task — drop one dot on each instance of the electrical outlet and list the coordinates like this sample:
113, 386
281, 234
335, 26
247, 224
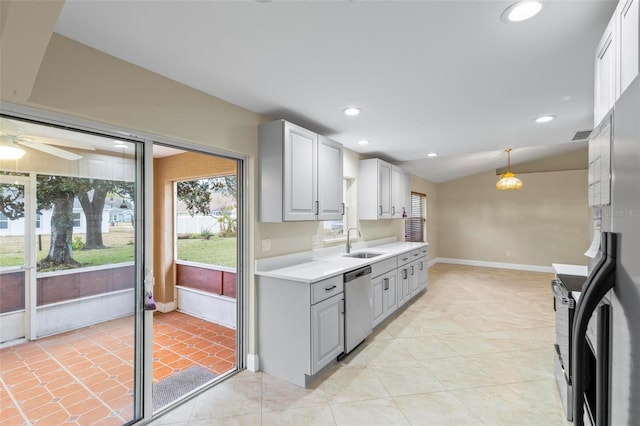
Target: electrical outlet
508, 253
266, 244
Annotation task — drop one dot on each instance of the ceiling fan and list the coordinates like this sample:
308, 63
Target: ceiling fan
13, 136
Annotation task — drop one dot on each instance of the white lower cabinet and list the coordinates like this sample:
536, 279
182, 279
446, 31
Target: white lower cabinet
300, 326
384, 296
327, 331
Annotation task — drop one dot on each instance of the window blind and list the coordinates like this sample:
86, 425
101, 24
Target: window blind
414, 224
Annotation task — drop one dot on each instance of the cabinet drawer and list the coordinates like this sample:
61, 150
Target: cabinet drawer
404, 258
423, 251
326, 288
383, 266
415, 254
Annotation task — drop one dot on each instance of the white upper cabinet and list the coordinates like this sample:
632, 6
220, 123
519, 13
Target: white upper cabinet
330, 155
382, 190
605, 82
617, 61
300, 174
628, 14
397, 183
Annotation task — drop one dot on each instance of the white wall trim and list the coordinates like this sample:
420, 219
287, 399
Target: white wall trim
165, 307
432, 262
253, 362
485, 264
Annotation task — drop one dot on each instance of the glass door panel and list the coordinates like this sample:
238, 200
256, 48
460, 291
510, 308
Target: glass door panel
79, 297
13, 258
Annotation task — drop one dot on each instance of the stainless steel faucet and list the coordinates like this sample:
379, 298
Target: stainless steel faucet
349, 239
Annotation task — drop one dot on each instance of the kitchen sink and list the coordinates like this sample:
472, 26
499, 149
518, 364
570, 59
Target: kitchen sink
362, 255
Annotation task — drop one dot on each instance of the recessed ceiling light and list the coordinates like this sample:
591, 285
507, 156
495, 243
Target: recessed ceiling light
363, 142
545, 118
351, 111
432, 154
521, 11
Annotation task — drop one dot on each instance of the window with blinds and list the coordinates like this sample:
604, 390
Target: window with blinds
414, 224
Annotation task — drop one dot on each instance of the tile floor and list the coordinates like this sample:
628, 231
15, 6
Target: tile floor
85, 377
476, 349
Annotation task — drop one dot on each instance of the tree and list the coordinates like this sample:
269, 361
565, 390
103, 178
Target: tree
12, 201
196, 194
57, 193
92, 197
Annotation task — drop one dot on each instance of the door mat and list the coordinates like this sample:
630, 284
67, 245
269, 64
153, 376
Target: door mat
181, 383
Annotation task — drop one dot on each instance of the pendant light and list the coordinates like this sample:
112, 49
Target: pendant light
508, 180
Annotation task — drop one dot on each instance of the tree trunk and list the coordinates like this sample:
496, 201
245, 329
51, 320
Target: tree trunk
60, 250
93, 213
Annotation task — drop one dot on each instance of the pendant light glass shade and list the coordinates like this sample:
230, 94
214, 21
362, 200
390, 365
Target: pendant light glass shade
508, 181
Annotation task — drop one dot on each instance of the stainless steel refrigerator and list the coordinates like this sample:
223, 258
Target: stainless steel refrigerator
607, 365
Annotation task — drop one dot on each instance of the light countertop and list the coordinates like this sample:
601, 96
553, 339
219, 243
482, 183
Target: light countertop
564, 269
309, 267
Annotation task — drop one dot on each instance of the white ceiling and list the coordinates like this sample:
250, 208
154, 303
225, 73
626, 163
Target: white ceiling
430, 76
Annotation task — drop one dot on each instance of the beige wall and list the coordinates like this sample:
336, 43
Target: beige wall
547, 221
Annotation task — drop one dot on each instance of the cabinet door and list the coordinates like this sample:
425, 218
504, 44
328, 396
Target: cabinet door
414, 279
403, 284
300, 186
406, 193
384, 190
397, 195
423, 273
330, 173
327, 331
377, 291
390, 295
605, 82
629, 41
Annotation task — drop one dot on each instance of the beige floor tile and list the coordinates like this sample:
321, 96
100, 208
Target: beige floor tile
543, 395
353, 384
470, 344
241, 420
499, 406
428, 347
407, 378
439, 408
385, 352
236, 396
459, 373
278, 395
370, 412
308, 416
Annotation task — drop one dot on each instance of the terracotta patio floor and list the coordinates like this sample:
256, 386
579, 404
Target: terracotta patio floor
85, 376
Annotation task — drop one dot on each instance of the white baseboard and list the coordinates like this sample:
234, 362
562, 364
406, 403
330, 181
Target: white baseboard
432, 262
253, 362
166, 307
500, 265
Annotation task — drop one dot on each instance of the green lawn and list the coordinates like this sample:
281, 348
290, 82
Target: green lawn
120, 248
214, 251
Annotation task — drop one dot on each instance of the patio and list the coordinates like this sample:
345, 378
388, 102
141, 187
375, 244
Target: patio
85, 376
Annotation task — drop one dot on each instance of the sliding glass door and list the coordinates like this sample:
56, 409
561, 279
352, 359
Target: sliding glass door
71, 308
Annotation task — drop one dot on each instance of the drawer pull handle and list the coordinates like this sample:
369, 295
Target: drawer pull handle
328, 289
416, 254
386, 283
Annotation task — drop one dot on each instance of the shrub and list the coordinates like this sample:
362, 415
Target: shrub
77, 244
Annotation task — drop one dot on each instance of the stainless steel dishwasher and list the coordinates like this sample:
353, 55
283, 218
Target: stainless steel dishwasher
358, 316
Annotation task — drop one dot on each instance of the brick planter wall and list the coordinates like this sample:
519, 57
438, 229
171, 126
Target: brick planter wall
11, 292
75, 285
207, 279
